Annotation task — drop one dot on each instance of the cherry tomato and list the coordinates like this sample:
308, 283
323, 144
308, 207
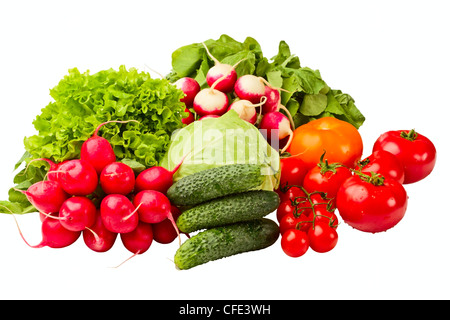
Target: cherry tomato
303, 207
416, 152
371, 205
294, 220
294, 243
304, 223
288, 221
322, 215
292, 171
322, 237
341, 141
284, 208
291, 193
320, 199
385, 163
326, 178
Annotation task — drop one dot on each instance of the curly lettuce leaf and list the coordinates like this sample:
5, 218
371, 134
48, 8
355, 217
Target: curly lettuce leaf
83, 101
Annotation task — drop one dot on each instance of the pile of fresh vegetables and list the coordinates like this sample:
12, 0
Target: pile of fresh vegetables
100, 198
227, 138
82, 101
368, 194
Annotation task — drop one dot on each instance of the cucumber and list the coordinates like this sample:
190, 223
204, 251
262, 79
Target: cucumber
216, 182
229, 209
225, 241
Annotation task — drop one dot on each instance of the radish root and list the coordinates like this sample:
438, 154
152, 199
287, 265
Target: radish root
40, 245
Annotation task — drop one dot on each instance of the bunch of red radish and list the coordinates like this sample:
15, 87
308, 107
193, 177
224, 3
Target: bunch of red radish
248, 95
133, 206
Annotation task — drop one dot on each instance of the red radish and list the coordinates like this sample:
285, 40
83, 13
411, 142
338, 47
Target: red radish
153, 207
250, 87
273, 96
276, 124
77, 213
97, 150
190, 88
137, 241
54, 235
164, 232
156, 178
78, 177
217, 72
97, 237
210, 101
273, 100
118, 213
189, 119
140, 239
247, 110
117, 177
225, 72
46, 195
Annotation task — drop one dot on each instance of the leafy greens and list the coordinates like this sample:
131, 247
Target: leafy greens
307, 95
82, 101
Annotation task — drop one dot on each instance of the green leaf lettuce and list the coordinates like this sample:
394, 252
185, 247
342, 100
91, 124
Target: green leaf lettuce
82, 101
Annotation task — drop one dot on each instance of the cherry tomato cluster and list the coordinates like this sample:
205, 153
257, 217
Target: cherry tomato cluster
369, 196
307, 220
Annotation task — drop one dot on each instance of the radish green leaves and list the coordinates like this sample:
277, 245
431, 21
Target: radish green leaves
306, 95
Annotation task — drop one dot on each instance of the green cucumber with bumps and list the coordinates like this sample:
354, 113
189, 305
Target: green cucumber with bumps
229, 209
216, 182
225, 241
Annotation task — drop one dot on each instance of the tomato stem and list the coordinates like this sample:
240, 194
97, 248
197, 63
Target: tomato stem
374, 178
296, 203
411, 135
325, 166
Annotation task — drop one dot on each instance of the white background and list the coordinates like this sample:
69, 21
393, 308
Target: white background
391, 56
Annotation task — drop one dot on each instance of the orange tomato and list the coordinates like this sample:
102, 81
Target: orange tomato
339, 139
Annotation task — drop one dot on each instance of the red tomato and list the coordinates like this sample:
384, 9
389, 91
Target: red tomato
322, 237
415, 151
384, 163
292, 221
284, 208
288, 221
304, 222
303, 207
372, 206
294, 243
326, 178
319, 199
292, 193
292, 171
322, 215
